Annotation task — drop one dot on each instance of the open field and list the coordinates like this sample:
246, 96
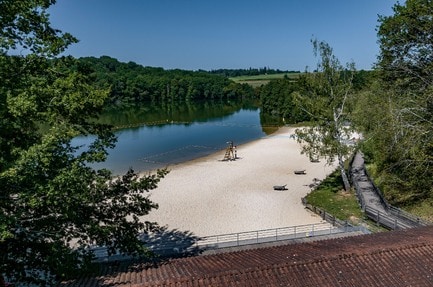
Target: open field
259, 80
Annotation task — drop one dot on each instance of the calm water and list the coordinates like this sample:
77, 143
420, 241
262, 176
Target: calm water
159, 140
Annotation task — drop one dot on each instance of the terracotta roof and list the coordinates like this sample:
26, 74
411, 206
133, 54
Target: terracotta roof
395, 258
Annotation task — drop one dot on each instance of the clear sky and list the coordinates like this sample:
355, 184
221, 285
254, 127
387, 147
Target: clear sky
213, 34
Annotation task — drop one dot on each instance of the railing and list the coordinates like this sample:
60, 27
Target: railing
268, 235
237, 239
377, 190
393, 218
360, 198
385, 220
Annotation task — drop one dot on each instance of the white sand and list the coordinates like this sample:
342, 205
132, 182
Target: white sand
209, 196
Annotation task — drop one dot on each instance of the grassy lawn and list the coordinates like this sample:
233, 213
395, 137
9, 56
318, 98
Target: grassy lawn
422, 209
331, 197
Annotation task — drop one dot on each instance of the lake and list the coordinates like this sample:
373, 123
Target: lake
155, 137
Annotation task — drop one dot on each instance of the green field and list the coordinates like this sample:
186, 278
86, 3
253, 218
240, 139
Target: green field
259, 80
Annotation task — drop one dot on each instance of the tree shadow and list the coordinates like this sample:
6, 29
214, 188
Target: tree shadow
164, 244
171, 243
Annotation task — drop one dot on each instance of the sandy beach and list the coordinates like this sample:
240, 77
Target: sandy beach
209, 196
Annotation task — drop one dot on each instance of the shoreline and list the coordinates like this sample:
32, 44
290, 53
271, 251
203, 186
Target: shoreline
207, 196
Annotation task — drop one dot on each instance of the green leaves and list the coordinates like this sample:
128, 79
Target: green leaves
324, 95
53, 206
406, 43
25, 24
395, 115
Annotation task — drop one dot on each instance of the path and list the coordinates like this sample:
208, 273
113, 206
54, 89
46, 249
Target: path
374, 205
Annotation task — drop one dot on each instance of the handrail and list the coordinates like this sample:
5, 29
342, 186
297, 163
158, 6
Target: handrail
394, 218
267, 235
237, 239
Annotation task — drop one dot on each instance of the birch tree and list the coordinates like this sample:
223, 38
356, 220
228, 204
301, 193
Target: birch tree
324, 95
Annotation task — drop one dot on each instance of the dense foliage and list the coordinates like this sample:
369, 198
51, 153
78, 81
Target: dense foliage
54, 207
396, 115
277, 99
130, 82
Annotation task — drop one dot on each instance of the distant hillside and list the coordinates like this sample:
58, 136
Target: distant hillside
131, 82
263, 79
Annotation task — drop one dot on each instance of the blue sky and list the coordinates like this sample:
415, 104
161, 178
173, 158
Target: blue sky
204, 34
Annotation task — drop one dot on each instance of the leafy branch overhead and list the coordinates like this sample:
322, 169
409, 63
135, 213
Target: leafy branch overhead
53, 206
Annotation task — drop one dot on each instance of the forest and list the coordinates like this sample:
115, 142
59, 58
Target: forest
133, 83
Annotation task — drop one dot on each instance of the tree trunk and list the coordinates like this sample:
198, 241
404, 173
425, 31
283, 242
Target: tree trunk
343, 174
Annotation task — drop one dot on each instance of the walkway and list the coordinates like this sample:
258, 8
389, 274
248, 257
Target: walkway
373, 203
364, 186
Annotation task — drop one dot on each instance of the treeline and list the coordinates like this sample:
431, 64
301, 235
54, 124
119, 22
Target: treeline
248, 72
134, 83
277, 100
277, 97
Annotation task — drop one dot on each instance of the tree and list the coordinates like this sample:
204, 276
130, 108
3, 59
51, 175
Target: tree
403, 134
53, 206
324, 95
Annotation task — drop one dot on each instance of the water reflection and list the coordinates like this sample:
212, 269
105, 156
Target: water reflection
151, 137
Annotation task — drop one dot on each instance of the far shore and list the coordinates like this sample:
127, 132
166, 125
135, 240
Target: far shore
208, 196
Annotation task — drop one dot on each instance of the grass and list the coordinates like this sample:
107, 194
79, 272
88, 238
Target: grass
331, 197
422, 209
259, 80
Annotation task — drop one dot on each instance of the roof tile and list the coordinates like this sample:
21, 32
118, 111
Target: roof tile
397, 258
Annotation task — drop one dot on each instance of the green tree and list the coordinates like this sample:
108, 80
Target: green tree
53, 206
402, 136
276, 98
324, 95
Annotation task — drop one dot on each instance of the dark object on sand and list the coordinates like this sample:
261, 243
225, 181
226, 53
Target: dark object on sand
300, 171
280, 187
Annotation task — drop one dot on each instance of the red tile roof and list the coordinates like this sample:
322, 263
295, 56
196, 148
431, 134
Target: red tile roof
389, 259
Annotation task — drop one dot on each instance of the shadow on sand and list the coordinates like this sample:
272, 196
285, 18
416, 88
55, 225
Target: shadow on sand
164, 245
